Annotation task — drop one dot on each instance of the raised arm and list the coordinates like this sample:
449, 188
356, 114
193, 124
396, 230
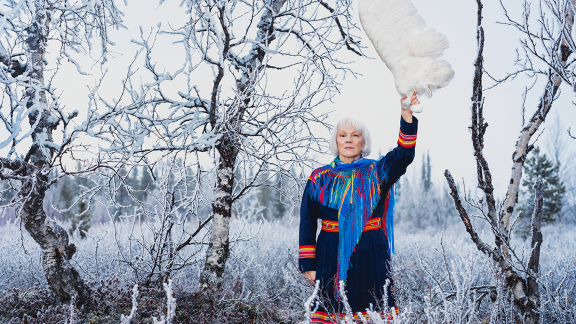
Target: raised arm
394, 164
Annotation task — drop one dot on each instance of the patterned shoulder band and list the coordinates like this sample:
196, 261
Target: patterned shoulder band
371, 224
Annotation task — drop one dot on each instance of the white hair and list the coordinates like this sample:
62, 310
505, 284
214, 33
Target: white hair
361, 128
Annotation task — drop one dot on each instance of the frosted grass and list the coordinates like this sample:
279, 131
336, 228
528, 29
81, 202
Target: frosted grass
438, 277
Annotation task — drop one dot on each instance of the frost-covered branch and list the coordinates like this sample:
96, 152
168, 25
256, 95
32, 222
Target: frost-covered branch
30, 112
272, 62
551, 45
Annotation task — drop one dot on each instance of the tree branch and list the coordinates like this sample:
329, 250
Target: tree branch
534, 262
466, 219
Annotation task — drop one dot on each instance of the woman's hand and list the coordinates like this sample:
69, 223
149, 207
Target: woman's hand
407, 113
310, 276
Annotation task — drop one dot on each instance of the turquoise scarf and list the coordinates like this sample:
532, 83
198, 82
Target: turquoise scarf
354, 190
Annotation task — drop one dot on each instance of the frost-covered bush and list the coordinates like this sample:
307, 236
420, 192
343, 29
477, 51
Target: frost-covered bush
438, 278
443, 278
437, 272
262, 282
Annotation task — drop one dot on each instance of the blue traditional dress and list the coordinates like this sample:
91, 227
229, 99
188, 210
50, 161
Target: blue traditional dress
355, 203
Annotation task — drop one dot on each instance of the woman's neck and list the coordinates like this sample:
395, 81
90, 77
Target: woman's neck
349, 159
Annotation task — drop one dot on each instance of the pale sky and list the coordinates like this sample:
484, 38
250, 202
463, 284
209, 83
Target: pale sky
372, 98
443, 126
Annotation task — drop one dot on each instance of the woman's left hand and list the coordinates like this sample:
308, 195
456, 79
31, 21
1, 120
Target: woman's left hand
310, 276
407, 113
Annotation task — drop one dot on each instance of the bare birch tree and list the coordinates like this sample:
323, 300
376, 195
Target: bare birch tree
272, 63
27, 28
550, 43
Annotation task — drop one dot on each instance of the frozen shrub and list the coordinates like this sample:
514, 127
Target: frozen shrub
438, 278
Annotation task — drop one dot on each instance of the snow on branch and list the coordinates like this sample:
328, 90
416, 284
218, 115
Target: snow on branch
551, 44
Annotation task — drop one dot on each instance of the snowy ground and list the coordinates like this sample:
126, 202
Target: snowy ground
437, 283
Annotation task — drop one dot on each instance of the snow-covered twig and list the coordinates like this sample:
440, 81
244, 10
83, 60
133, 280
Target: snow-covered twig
127, 319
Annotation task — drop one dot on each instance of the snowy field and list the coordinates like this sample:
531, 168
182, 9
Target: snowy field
439, 277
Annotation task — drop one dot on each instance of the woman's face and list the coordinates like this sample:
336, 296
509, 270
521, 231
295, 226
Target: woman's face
349, 142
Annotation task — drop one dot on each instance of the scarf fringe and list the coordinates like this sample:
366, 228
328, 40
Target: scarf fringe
355, 193
389, 212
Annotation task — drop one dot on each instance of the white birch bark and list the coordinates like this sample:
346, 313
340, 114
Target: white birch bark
63, 279
219, 247
26, 27
522, 281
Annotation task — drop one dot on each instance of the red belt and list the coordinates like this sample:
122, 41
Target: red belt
332, 226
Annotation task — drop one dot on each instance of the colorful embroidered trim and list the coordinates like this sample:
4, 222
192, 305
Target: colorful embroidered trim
325, 318
373, 224
406, 140
307, 252
332, 226
320, 318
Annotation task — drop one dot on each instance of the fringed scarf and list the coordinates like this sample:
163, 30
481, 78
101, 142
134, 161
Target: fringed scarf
353, 189
389, 205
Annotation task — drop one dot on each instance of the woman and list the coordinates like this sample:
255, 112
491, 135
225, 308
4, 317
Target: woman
351, 196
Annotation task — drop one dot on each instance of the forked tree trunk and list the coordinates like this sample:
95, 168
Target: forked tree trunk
524, 290
62, 278
218, 251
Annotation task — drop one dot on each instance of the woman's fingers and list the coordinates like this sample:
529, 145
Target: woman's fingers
310, 276
414, 99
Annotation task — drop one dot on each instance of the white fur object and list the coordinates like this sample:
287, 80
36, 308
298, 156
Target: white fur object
409, 48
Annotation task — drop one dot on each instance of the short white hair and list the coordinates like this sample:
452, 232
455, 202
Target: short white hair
360, 127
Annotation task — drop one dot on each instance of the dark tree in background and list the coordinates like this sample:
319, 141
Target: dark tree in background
539, 168
146, 184
426, 171
270, 198
66, 194
82, 220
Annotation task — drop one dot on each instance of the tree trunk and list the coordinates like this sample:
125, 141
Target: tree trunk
218, 251
211, 277
62, 278
524, 290
534, 262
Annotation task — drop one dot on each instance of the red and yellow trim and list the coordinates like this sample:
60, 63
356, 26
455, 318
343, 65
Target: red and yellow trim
307, 252
406, 140
330, 226
371, 224
320, 318
325, 318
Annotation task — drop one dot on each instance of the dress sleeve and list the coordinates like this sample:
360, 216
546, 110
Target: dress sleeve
308, 227
394, 164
